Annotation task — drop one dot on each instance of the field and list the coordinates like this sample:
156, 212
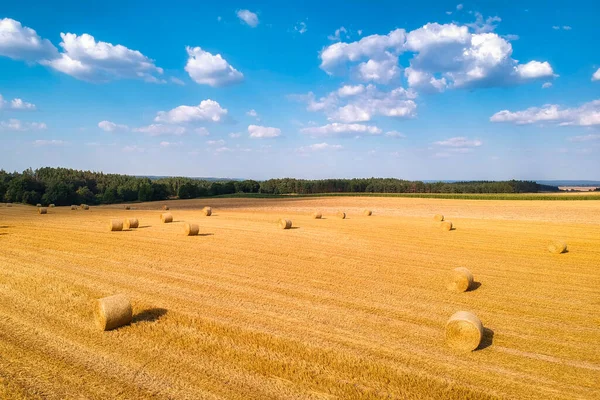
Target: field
346, 309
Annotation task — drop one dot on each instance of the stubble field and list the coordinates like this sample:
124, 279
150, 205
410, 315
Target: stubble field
347, 309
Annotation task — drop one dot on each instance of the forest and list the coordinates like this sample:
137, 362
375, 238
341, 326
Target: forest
62, 186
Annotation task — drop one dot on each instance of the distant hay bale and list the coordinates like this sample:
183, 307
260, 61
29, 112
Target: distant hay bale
447, 226
131, 223
166, 208
8, 205
341, 214
85, 207
460, 280
127, 207
115, 225
112, 312
207, 211
51, 206
38, 205
73, 208
368, 213
191, 229
438, 217
42, 210
166, 218
557, 247
317, 215
285, 223
464, 331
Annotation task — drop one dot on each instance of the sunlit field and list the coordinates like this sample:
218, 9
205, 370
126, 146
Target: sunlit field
349, 308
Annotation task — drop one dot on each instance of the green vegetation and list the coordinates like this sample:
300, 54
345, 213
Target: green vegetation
63, 186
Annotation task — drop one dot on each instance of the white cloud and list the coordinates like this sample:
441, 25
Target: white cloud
49, 142
223, 150
219, 142
319, 147
301, 27
252, 113
396, 103
547, 85
86, 59
202, 131
556, 27
18, 104
161, 129
170, 144
108, 126
234, 135
382, 71
567, 27
261, 132
459, 142
207, 69
596, 75
459, 7
207, 110
585, 138
177, 81
564, 27
248, 17
338, 33
534, 69
483, 26
348, 90
18, 125
586, 115
338, 129
395, 134
22, 43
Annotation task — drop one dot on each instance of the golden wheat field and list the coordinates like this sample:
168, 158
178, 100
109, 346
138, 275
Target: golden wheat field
332, 308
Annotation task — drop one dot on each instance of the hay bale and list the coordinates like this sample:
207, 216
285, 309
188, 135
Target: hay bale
38, 205
207, 211
341, 215
42, 210
368, 213
115, 225
112, 312
464, 331
166, 208
191, 229
557, 247
317, 215
460, 280
447, 225
85, 207
285, 223
73, 208
8, 205
127, 207
51, 206
438, 217
131, 223
166, 218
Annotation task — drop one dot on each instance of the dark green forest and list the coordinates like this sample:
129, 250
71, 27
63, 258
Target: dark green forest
62, 186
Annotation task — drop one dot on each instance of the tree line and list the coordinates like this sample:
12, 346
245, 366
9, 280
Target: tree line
62, 186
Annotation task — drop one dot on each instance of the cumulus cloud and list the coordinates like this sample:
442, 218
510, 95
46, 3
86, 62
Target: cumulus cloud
395, 134
338, 129
459, 142
248, 17
586, 115
213, 70
18, 125
42, 142
596, 75
252, 113
22, 43
18, 104
319, 147
349, 90
262, 132
108, 126
161, 129
459, 7
207, 110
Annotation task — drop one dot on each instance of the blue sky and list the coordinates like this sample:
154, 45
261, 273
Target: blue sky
449, 90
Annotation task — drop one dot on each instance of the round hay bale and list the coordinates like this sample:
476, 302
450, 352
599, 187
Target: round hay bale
73, 208
166, 208
38, 205
464, 331
85, 207
447, 226
285, 223
166, 218
557, 247
438, 217
115, 225
207, 211
51, 206
460, 280
368, 213
131, 223
191, 229
127, 207
317, 215
341, 215
42, 210
8, 205
112, 312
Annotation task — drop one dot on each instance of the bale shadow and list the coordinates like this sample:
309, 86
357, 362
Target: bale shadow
149, 315
294, 227
205, 234
3, 233
487, 339
4, 226
474, 286
144, 226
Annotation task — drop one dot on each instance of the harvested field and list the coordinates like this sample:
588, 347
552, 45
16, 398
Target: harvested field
329, 309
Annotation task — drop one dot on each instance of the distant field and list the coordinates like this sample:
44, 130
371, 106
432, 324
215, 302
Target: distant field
333, 309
